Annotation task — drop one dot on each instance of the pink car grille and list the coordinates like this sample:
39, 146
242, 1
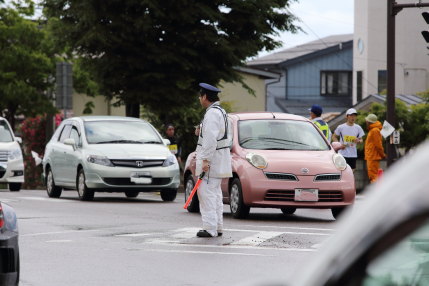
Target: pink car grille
289, 196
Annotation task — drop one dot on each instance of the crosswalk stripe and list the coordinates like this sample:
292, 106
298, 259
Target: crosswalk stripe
257, 238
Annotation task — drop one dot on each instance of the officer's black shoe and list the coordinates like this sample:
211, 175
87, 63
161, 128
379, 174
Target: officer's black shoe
219, 233
203, 233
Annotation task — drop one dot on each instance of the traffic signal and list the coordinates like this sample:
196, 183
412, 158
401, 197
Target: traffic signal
426, 33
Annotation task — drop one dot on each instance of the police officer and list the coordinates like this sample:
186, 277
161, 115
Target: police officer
213, 157
315, 116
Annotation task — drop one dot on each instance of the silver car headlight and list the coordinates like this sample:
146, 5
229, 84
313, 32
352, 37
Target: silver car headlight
339, 162
171, 160
100, 160
258, 161
15, 154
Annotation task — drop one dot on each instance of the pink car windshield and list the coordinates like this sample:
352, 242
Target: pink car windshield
280, 135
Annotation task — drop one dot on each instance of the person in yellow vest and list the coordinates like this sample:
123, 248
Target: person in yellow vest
374, 151
315, 116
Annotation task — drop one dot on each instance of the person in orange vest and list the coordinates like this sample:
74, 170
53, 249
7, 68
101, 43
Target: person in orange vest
374, 151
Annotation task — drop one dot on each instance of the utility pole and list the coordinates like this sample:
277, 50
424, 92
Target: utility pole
392, 10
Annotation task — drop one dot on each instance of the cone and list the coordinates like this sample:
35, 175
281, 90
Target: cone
379, 173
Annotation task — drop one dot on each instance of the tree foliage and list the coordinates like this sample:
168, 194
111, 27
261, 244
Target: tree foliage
25, 64
413, 121
154, 52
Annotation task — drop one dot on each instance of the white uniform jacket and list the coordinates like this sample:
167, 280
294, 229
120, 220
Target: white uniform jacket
212, 132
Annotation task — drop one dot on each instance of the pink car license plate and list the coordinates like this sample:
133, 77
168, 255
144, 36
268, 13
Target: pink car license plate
306, 195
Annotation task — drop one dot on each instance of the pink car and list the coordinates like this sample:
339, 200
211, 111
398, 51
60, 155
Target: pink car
280, 161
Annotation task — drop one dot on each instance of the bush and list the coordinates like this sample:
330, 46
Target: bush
33, 132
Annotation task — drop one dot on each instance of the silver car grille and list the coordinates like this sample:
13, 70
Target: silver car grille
137, 163
4, 155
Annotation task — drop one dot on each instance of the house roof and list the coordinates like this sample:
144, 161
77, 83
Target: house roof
261, 73
365, 104
301, 50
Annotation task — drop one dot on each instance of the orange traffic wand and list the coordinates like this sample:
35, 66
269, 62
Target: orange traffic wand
194, 190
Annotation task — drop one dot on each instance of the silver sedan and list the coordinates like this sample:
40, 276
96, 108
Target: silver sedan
109, 154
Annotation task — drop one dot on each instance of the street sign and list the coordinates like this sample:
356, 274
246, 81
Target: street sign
387, 129
64, 86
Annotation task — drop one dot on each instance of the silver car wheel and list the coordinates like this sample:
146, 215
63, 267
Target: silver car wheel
81, 184
49, 182
235, 197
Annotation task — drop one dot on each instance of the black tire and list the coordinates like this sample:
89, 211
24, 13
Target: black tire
168, 195
85, 193
336, 212
288, 210
15, 187
236, 203
18, 270
194, 206
53, 190
132, 194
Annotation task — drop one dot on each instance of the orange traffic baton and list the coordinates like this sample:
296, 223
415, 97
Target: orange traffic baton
194, 190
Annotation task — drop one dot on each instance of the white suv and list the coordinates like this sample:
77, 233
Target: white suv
11, 161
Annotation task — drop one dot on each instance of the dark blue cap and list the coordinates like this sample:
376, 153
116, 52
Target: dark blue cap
209, 87
316, 109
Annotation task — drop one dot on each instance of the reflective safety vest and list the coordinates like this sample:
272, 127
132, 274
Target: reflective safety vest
222, 142
323, 126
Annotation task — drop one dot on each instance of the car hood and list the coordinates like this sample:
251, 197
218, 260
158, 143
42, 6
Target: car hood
288, 161
128, 151
9, 145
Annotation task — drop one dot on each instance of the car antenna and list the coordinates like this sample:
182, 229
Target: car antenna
274, 117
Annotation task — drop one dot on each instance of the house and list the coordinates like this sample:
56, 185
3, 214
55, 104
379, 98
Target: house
318, 72
239, 98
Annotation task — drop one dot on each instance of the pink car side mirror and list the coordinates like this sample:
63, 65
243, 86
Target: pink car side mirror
337, 146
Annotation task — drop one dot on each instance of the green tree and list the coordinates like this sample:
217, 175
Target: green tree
26, 63
154, 52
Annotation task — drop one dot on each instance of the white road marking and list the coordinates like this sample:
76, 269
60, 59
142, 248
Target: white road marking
289, 227
60, 232
138, 234
44, 199
257, 238
61, 241
206, 252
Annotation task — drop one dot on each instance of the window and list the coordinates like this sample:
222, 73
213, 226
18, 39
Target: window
65, 133
74, 134
359, 86
382, 81
335, 83
5, 134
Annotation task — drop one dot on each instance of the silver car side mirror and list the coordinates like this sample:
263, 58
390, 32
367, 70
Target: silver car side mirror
166, 142
71, 142
18, 139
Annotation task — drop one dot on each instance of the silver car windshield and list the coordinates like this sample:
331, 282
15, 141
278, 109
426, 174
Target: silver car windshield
115, 132
5, 134
280, 135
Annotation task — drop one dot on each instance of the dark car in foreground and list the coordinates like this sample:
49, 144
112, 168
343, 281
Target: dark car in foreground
9, 249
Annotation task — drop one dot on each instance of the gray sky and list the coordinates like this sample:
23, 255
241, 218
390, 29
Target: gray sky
320, 18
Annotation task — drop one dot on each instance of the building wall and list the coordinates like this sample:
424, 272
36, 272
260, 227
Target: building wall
303, 79
240, 99
101, 106
370, 32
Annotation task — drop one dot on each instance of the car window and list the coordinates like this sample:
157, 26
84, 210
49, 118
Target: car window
5, 132
65, 133
111, 132
74, 134
405, 263
280, 134
230, 132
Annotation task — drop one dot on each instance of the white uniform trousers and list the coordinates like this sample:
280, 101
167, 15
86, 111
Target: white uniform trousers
211, 205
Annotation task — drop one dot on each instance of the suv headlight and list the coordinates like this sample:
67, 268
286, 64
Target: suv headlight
100, 160
339, 162
256, 160
15, 154
171, 160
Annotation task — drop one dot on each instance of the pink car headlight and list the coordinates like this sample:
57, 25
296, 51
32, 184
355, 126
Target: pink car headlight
256, 160
339, 162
